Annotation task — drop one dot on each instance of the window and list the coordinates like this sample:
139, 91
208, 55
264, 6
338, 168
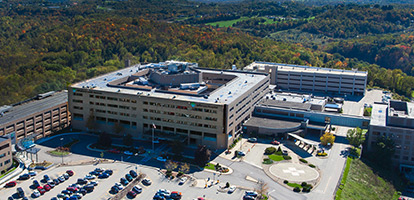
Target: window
77, 116
195, 133
2, 155
78, 107
112, 98
100, 111
112, 112
7, 162
124, 107
112, 105
102, 119
377, 133
77, 101
77, 94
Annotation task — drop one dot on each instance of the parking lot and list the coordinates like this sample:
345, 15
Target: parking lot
101, 191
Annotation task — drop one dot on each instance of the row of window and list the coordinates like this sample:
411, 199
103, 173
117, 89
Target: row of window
178, 114
196, 124
179, 130
181, 107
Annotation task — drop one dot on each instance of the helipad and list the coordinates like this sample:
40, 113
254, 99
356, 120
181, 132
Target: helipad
294, 172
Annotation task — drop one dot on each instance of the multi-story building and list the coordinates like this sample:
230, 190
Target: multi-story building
176, 100
36, 117
6, 160
395, 120
313, 79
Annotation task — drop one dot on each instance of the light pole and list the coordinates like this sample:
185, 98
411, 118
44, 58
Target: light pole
61, 145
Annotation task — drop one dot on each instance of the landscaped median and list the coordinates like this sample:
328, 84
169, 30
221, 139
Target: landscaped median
274, 155
63, 150
217, 168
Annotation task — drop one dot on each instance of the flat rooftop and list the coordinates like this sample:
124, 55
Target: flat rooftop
224, 94
271, 123
301, 68
401, 109
29, 108
379, 115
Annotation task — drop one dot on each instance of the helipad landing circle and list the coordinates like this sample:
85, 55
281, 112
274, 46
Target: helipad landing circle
294, 172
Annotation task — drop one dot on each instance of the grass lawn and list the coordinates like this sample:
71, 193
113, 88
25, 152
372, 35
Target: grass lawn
15, 165
275, 157
294, 185
58, 153
360, 182
210, 166
227, 23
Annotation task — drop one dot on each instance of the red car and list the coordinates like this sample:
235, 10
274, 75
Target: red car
41, 190
132, 194
47, 187
70, 172
72, 189
11, 184
275, 142
114, 151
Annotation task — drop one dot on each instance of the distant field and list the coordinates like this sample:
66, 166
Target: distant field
227, 23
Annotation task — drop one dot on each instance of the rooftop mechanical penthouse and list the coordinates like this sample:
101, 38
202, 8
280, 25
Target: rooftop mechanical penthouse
178, 99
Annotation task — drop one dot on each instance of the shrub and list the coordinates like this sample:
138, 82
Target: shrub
311, 165
285, 181
278, 153
180, 174
227, 185
303, 160
306, 189
267, 161
169, 171
279, 149
296, 189
303, 184
287, 157
270, 150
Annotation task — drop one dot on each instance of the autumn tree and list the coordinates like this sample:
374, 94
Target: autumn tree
327, 138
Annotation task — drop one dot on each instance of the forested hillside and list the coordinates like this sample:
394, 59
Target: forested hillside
46, 46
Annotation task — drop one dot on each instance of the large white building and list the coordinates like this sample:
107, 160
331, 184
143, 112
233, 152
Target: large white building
176, 99
313, 79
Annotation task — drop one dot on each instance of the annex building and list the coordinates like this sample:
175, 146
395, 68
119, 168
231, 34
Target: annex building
6, 160
313, 79
395, 120
36, 117
178, 100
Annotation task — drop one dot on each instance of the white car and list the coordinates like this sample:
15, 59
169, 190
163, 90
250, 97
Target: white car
252, 139
251, 193
128, 153
36, 194
182, 180
119, 186
232, 189
164, 192
90, 177
161, 159
241, 153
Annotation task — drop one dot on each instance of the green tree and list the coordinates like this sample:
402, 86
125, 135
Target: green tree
355, 137
383, 150
202, 155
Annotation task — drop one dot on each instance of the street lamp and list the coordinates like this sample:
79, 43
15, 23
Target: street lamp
61, 145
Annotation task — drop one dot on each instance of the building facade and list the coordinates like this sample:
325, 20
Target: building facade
35, 118
313, 79
395, 120
6, 158
207, 110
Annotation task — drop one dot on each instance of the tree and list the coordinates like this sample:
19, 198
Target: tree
185, 168
127, 140
104, 140
261, 188
118, 128
202, 155
355, 137
170, 165
327, 138
384, 148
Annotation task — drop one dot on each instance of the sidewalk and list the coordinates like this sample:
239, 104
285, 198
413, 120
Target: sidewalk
23, 162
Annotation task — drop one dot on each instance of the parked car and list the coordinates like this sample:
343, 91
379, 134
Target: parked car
32, 173
132, 194
66, 176
128, 153
182, 180
241, 153
232, 189
47, 187
82, 191
96, 173
90, 177
72, 189
46, 177
77, 196
162, 159
124, 181
62, 196
35, 194
133, 173
108, 171
24, 177
176, 195
11, 184
20, 192
68, 192
51, 184
128, 177
36, 184
114, 189
119, 186
164, 192
247, 197
252, 139
54, 198
137, 189
94, 183
61, 179
56, 181
158, 197
81, 181
41, 190
103, 175
146, 181
70, 172
251, 193
89, 188
99, 169
275, 142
